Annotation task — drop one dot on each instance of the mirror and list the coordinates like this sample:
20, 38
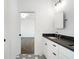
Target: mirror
59, 20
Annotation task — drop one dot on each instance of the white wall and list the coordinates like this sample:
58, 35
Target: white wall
44, 19
28, 26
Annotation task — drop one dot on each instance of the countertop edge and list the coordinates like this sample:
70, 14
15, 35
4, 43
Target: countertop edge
59, 44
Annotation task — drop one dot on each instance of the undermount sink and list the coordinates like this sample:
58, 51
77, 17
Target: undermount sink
63, 42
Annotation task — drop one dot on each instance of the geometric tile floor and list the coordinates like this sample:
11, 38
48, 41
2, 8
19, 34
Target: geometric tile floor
29, 56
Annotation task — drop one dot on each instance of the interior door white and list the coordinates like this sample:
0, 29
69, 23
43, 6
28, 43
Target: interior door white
12, 46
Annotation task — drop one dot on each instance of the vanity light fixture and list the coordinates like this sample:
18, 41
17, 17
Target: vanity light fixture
59, 1
25, 14
60, 5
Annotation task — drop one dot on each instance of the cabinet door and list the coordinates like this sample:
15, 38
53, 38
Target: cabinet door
65, 53
65, 57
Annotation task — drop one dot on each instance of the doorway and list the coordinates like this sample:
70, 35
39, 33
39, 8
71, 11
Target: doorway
27, 32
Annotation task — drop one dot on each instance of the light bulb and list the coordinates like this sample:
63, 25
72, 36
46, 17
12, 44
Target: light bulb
60, 6
24, 15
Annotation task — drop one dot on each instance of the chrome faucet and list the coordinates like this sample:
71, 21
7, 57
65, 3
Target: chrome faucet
59, 36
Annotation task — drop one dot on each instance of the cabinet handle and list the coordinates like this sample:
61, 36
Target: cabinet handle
54, 54
54, 45
45, 43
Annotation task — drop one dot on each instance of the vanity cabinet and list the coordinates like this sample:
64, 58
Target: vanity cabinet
65, 53
53, 50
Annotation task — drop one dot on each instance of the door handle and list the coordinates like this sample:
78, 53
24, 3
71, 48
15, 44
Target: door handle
4, 40
19, 34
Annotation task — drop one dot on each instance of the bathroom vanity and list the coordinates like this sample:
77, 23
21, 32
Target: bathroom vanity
58, 48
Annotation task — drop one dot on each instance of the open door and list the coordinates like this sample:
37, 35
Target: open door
12, 45
27, 31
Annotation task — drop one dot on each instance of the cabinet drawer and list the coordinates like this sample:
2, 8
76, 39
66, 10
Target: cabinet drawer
53, 46
54, 52
51, 55
52, 49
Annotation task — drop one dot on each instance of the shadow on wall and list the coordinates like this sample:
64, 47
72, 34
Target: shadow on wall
27, 45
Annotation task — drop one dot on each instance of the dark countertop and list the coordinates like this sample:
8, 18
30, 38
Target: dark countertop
65, 41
